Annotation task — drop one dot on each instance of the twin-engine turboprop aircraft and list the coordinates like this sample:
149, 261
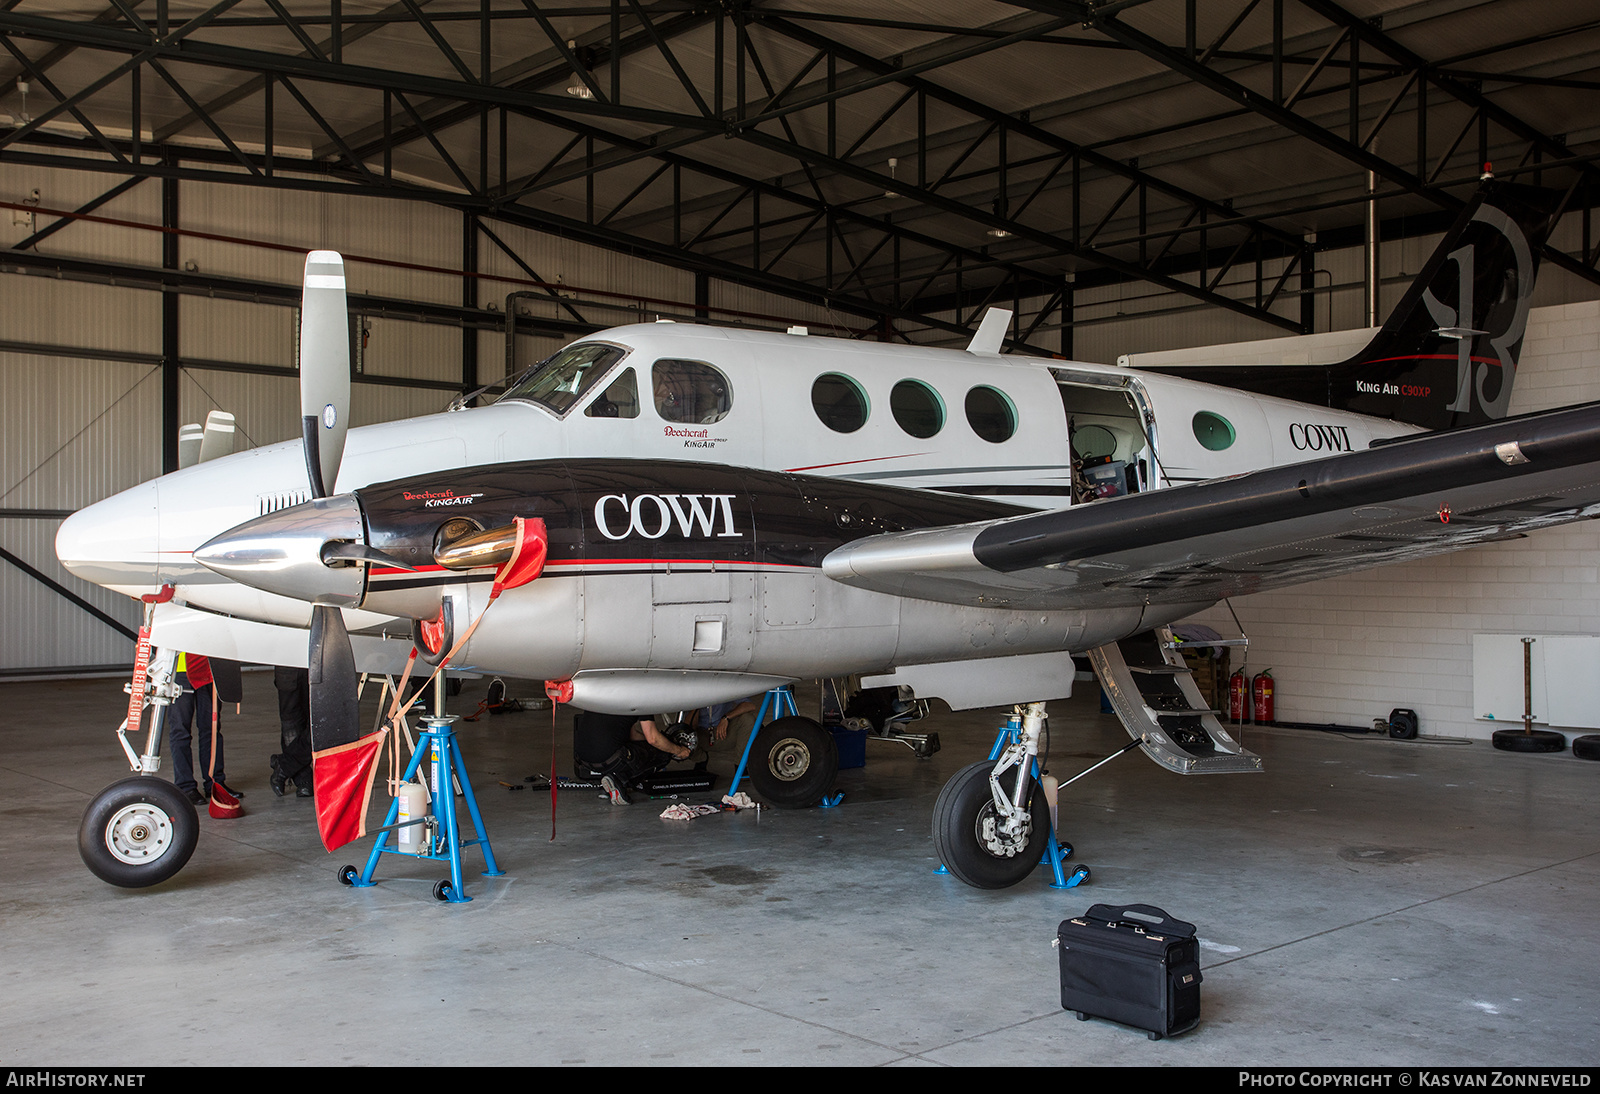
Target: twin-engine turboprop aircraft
719, 512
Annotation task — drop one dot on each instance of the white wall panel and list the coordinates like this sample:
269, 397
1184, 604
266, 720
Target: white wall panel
425, 351
374, 228
556, 259
44, 310
266, 409
75, 431
769, 310
44, 630
235, 330
67, 190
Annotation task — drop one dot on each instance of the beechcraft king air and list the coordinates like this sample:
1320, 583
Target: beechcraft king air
711, 513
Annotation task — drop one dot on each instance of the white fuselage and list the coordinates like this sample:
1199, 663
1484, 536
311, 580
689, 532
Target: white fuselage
1152, 431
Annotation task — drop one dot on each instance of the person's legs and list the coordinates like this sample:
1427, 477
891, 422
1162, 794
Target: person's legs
293, 764
202, 729
176, 726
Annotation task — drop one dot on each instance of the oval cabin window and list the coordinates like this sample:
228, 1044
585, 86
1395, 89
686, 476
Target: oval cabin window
1213, 431
840, 403
917, 408
991, 414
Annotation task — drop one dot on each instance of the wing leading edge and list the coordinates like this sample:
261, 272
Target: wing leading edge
1407, 499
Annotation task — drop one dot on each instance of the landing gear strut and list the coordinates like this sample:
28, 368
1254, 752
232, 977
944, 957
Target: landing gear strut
991, 824
141, 831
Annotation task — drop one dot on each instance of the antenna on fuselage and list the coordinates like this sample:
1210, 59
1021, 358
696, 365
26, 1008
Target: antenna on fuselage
991, 333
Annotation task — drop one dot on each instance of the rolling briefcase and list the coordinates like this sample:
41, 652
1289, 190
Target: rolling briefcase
1132, 964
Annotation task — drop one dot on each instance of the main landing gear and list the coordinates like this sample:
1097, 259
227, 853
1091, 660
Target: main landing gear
991, 824
791, 760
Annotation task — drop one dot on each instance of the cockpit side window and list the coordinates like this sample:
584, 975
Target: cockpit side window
690, 392
561, 380
619, 400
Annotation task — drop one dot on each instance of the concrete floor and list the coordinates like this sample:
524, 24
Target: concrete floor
1364, 902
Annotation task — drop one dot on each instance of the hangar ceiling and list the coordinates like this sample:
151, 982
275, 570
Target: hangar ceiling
905, 163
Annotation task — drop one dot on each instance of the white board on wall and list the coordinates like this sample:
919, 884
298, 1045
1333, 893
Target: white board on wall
1564, 679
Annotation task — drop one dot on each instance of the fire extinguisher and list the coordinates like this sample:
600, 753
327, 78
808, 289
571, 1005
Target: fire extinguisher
1261, 687
1236, 690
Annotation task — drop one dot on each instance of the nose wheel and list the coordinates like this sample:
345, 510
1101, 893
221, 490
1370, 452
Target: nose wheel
138, 832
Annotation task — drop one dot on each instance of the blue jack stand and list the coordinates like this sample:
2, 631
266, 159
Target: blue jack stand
779, 702
436, 743
1055, 852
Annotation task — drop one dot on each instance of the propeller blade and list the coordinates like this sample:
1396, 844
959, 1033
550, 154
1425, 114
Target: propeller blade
324, 368
217, 439
190, 441
335, 710
343, 762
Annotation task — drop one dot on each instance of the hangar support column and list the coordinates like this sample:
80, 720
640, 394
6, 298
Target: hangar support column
169, 320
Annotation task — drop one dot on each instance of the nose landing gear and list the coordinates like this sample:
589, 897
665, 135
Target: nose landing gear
138, 832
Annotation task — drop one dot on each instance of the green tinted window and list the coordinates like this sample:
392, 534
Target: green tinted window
1213, 431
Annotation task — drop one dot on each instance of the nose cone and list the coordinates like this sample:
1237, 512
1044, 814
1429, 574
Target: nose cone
282, 552
115, 542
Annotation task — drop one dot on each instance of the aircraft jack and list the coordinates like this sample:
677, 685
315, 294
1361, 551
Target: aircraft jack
779, 703
436, 743
1056, 852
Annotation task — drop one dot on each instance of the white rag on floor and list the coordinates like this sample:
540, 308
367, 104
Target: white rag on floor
687, 812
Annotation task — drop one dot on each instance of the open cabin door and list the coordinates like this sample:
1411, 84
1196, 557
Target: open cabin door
1112, 432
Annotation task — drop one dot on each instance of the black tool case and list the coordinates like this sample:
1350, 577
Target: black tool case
1132, 964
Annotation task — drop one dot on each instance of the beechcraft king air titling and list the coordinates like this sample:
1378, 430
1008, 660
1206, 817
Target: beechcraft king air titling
713, 513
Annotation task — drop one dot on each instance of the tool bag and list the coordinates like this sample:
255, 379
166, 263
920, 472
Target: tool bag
1132, 964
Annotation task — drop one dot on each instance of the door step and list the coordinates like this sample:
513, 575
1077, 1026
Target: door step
1154, 694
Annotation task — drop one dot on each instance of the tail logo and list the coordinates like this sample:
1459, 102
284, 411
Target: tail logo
1457, 322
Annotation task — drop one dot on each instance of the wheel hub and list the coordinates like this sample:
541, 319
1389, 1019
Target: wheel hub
1002, 838
789, 759
139, 833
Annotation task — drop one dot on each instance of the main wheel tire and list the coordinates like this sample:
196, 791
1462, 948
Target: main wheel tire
138, 832
1517, 740
793, 762
1587, 747
979, 858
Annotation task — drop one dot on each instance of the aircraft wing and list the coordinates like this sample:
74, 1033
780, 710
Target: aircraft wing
1405, 499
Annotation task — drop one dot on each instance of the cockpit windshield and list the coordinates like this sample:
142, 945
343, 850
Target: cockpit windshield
561, 380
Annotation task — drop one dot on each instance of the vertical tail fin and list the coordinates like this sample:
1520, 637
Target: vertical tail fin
1448, 354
